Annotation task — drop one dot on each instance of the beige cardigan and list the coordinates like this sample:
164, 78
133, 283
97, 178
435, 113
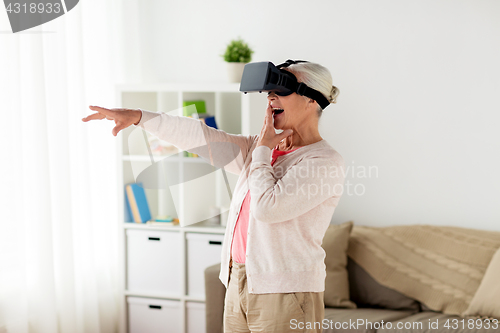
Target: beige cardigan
292, 201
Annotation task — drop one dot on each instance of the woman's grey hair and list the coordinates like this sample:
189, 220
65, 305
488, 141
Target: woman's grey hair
316, 77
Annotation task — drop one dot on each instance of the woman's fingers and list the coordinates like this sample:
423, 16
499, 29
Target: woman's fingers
268, 119
93, 117
119, 126
99, 109
123, 118
101, 114
285, 134
269, 112
268, 136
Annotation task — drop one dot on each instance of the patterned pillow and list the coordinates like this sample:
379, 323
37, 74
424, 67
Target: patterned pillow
486, 300
335, 244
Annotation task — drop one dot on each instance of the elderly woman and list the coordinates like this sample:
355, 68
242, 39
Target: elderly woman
289, 185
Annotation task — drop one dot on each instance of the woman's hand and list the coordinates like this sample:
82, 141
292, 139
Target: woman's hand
123, 117
268, 136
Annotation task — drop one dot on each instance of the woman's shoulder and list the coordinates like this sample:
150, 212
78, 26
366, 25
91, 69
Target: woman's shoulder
324, 151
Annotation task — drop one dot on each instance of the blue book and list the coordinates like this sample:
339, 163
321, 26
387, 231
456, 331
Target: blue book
138, 203
210, 121
127, 213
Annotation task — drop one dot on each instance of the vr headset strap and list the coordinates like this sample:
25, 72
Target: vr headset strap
302, 88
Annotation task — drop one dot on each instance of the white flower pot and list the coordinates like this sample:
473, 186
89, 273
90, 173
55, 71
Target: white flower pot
235, 71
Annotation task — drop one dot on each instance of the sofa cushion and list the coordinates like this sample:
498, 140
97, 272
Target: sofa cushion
359, 320
335, 245
420, 322
440, 266
365, 291
215, 292
486, 300
424, 307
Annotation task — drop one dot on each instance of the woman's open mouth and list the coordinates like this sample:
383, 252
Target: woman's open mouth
277, 111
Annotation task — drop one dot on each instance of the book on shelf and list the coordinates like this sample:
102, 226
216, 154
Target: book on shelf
190, 107
164, 221
205, 118
137, 203
210, 121
128, 212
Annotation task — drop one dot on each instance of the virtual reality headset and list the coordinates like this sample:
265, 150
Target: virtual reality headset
265, 76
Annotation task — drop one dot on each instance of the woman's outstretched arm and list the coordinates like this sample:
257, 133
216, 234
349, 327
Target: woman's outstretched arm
216, 146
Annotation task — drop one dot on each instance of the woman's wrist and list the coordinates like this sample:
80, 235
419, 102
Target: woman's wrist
263, 144
138, 112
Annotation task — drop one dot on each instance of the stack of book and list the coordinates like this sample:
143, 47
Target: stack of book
164, 220
137, 208
136, 203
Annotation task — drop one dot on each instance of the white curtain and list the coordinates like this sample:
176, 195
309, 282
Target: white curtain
59, 189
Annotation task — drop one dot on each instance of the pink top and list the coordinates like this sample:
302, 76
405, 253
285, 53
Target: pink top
239, 244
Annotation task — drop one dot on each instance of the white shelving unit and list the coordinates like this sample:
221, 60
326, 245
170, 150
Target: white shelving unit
162, 267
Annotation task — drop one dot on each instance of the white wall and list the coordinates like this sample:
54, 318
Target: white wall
419, 82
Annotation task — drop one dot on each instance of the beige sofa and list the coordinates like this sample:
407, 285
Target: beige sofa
363, 304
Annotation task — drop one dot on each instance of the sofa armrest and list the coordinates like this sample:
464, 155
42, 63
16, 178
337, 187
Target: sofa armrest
215, 293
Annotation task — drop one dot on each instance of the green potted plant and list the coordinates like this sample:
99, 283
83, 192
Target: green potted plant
237, 55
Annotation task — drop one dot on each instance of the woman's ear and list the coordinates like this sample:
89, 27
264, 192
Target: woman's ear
312, 103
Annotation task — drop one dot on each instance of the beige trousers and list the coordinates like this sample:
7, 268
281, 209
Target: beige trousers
270, 313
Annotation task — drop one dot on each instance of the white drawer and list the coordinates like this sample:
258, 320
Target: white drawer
149, 315
195, 313
154, 262
203, 250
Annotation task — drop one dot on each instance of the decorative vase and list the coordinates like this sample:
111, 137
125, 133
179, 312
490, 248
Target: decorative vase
235, 71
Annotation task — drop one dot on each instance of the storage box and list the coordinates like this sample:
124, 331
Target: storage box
195, 313
154, 262
203, 250
150, 315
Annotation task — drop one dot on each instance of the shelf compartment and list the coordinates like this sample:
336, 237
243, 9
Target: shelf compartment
195, 317
192, 203
154, 315
153, 262
202, 251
